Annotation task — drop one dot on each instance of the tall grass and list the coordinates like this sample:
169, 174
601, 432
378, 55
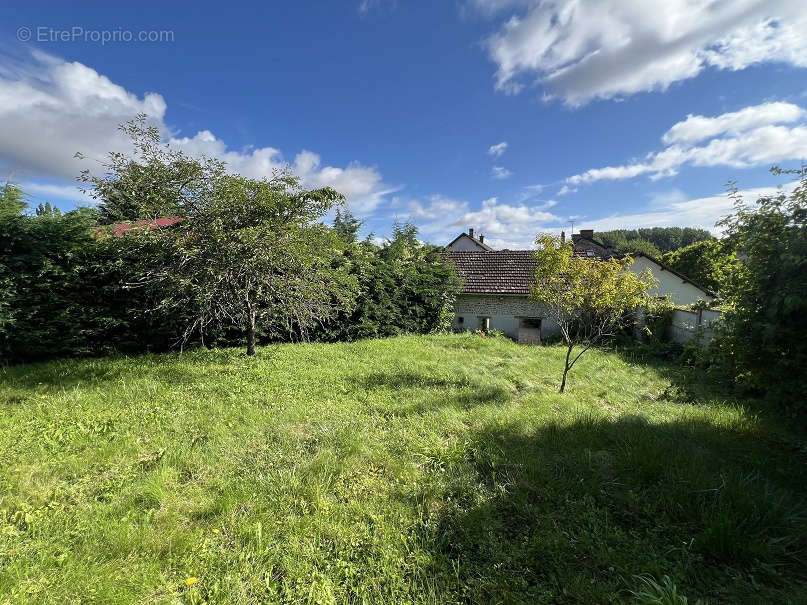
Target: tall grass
414, 469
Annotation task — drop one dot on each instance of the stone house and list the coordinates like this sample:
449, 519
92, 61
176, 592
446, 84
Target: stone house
497, 286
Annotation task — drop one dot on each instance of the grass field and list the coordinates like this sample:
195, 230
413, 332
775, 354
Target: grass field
415, 469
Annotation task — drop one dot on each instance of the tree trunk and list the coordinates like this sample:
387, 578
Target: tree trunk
251, 334
565, 369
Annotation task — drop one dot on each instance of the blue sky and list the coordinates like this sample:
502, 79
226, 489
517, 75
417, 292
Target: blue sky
510, 116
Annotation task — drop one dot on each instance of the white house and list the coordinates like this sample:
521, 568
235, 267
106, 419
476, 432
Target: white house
497, 285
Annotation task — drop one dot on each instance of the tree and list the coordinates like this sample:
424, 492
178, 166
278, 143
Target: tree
252, 257
766, 295
152, 181
47, 209
588, 299
652, 240
707, 262
12, 200
346, 225
405, 286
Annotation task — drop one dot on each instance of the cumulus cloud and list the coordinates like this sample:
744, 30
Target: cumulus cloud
500, 173
497, 149
586, 49
697, 128
701, 212
753, 136
50, 109
441, 219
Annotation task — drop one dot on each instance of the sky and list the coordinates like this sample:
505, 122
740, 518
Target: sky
513, 117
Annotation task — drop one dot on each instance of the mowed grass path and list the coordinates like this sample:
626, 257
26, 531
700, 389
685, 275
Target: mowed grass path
416, 469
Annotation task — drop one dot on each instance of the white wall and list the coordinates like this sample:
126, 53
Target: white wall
669, 284
465, 244
504, 313
688, 325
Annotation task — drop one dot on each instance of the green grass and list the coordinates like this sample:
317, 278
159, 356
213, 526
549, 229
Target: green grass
414, 469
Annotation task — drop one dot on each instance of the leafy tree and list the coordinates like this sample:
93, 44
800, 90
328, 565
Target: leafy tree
346, 225
403, 286
12, 201
588, 299
152, 181
251, 256
766, 321
653, 241
707, 262
47, 210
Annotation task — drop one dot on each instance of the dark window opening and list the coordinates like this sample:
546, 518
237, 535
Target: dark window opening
530, 323
460, 319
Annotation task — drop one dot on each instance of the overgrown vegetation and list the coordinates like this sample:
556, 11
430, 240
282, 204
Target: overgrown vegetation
653, 241
435, 469
763, 343
242, 260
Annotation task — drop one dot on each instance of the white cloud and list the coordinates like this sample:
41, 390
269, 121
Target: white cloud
50, 192
753, 136
497, 149
566, 190
441, 219
586, 49
697, 128
702, 212
50, 109
500, 173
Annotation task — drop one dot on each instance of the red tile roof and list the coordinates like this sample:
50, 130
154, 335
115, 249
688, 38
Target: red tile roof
120, 228
497, 272
508, 271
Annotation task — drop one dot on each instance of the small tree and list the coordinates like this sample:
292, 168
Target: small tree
587, 298
246, 254
251, 257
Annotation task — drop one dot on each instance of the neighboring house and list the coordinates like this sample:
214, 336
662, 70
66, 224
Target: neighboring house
466, 242
495, 294
681, 290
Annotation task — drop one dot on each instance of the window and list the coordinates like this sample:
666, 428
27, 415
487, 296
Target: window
590, 253
484, 323
530, 323
460, 320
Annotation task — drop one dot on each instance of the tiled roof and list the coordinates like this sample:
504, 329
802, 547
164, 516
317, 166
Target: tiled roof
119, 229
498, 272
505, 271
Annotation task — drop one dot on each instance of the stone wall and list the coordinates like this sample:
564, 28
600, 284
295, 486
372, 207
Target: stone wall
505, 313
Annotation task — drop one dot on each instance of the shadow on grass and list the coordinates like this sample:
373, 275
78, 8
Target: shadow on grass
70, 373
417, 392
574, 513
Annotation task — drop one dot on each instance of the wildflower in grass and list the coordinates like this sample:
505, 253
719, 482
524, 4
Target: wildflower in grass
191, 581
215, 531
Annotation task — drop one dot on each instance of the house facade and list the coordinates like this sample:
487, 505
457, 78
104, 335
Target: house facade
495, 294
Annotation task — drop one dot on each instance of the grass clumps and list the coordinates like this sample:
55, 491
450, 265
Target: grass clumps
414, 469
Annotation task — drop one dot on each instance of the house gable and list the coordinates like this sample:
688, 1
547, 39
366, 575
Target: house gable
465, 242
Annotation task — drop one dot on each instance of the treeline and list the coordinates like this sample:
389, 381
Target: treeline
244, 261
66, 290
653, 241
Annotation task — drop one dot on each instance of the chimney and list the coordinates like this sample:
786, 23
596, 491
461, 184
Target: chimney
587, 233
562, 237
481, 239
471, 232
